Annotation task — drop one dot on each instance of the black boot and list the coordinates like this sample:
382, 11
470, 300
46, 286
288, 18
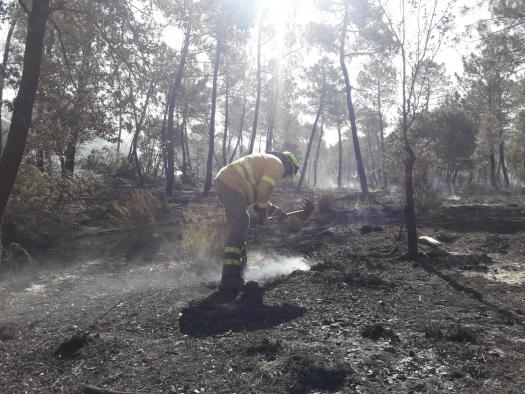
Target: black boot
232, 280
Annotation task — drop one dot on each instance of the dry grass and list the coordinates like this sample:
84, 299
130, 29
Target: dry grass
203, 233
326, 202
143, 208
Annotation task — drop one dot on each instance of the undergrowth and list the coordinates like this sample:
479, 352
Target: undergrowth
203, 233
45, 207
143, 208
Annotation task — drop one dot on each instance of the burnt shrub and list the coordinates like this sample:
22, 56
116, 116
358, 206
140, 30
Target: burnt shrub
45, 207
139, 218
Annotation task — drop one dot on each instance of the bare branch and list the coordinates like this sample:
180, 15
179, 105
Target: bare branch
64, 53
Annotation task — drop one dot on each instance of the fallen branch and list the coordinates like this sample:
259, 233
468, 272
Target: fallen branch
89, 389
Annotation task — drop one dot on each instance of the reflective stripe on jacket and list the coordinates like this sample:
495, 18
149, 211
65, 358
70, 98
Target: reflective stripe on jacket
255, 176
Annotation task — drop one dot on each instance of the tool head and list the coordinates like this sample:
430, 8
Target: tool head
307, 208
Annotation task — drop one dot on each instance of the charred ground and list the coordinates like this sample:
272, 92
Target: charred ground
363, 319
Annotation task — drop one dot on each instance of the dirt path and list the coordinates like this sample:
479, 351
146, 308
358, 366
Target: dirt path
361, 320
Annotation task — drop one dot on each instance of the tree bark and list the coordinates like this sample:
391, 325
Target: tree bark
410, 158
371, 153
311, 140
340, 162
226, 120
238, 145
170, 132
382, 135
316, 163
258, 96
492, 159
271, 122
351, 113
70, 154
119, 141
211, 142
186, 146
3, 75
139, 122
72, 144
183, 145
24, 101
503, 165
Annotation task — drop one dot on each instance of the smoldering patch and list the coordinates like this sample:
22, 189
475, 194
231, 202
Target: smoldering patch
266, 266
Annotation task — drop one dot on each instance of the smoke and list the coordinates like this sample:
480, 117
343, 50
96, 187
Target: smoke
93, 279
263, 266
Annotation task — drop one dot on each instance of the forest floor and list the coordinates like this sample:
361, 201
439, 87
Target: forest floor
355, 316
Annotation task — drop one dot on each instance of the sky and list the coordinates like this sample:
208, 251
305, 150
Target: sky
281, 12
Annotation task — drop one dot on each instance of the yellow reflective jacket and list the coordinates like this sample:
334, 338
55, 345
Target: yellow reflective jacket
255, 176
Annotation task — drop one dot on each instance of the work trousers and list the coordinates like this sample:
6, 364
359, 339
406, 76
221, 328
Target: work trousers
238, 220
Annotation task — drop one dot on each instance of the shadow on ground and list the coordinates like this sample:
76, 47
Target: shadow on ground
511, 317
214, 315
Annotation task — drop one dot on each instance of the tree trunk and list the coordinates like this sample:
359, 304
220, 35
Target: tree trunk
311, 140
503, 165
382, 136
139, 122
183, 145
75, 126
371, 153
23, 103
187, 147
119, 141
351, 113
170, 132
226, 120
211, 142
410, 158
410, 210
316, 163
258, 96
239, 138
269, 138
340, 162
492, 159
70, 155
3, 74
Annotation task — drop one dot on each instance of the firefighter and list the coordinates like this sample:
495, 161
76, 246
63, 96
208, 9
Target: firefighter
248, 181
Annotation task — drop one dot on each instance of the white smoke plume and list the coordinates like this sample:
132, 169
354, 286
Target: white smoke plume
263, 266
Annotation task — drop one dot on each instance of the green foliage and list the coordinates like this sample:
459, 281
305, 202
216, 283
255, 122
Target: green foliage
444, 142
44, 208
452, 135
105, 162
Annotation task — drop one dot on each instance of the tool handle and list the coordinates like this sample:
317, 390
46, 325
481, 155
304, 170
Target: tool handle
288, 214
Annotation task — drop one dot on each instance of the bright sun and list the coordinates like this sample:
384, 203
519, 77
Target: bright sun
280, 15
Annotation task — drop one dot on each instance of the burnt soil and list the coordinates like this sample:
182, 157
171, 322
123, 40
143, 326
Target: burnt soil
362, 319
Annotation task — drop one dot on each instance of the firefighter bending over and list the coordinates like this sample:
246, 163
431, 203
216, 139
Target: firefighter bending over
248, 181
